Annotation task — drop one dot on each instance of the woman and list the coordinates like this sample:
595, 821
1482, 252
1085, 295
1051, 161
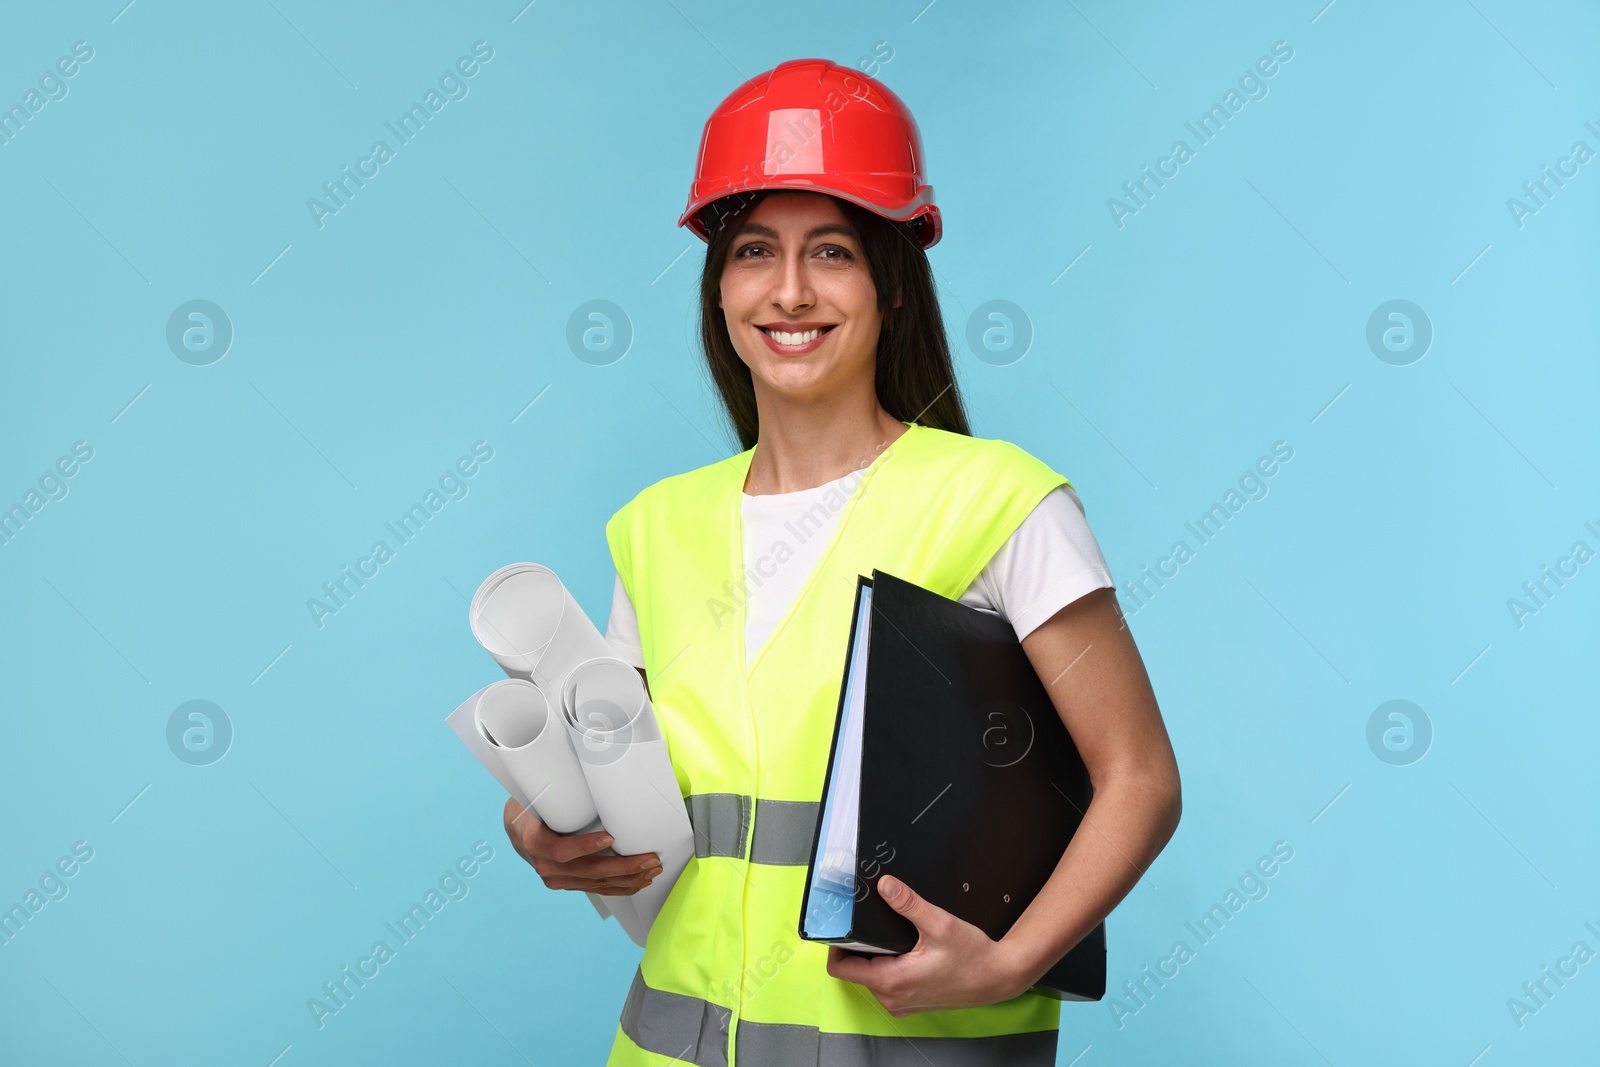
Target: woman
733, 596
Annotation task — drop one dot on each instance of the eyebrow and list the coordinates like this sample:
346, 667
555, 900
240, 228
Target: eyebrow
815, 232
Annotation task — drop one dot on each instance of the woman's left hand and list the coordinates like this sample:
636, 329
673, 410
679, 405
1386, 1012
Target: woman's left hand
954, 964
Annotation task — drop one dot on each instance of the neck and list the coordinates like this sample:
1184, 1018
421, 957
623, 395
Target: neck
805, 443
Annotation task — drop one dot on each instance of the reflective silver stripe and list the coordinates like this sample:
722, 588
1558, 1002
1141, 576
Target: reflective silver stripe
696, 1031
671, 1024
761, 1044
785, 1043
784, 829
1034, 1049
721, 821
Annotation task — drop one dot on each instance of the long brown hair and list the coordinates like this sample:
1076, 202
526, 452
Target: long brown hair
915, 379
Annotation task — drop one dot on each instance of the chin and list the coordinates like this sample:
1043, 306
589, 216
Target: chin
794, 379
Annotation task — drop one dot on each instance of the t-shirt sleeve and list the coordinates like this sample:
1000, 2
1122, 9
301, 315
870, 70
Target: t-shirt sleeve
622, 629
1050, 560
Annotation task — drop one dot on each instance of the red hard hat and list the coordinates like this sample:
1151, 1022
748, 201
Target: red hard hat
812, 125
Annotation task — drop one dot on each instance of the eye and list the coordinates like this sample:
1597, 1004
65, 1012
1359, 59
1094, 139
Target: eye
740, 254
844, 253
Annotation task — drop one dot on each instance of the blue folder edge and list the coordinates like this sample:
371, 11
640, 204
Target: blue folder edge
830, 906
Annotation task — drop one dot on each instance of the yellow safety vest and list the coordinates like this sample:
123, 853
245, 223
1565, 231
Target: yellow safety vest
725, 979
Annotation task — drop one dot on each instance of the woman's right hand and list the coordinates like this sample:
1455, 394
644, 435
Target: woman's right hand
567, 861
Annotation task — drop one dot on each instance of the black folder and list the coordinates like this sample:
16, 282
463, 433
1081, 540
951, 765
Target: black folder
969, 786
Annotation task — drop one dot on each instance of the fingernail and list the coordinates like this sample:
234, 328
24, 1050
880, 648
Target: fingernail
605, 842
647, 864
888, 887
652, 872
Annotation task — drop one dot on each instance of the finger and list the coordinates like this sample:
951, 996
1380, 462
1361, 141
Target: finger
518, 818
522, 824
638, 881
632, 882
599, 871
509, 817
848, 967
515, 824
514, 810
903, 899
603, 868
596, 865
563, 848
588, 885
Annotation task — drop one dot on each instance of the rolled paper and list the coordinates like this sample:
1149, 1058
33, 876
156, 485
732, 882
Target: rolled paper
623, 756
515, 719
607, 709
463, 723
527, 620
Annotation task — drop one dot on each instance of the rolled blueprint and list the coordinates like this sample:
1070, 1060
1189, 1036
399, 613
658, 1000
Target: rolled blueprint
525, 618
514, 718
624, 759
463, 721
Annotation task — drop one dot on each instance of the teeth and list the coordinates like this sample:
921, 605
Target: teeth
795, 338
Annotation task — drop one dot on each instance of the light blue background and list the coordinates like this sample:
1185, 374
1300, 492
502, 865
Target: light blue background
1228, 314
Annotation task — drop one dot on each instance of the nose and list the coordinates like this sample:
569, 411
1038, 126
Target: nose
793, 289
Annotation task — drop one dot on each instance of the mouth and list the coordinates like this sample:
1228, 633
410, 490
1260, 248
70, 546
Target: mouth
795, 342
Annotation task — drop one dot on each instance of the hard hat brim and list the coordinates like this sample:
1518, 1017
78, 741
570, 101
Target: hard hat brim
921, 207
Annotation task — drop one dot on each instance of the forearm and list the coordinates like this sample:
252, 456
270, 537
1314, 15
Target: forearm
1126, 826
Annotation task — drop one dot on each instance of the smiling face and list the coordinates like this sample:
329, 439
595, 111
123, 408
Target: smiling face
798, 296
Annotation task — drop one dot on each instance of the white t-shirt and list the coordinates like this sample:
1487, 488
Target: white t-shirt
1048, 562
